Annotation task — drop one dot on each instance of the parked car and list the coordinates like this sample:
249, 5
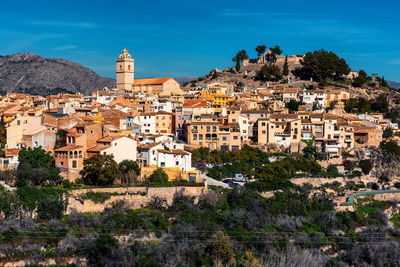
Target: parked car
228, 181
240, 178
234, 185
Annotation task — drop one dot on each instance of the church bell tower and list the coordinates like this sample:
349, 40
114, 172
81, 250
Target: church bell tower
125, 71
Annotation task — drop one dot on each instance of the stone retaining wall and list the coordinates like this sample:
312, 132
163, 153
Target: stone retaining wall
135, 197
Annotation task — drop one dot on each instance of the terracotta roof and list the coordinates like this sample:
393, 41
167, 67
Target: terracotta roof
12, 151
101, 93
96, 149
151, 81
290, 91
147, 146
283, 116
251, 111
316, 115
85, 118
331, 117
109, 138
174, 151
155, 113
195, 105
67, 148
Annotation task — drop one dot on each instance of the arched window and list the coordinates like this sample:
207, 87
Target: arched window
129, 67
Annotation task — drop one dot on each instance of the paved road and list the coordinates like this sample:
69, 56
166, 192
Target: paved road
211, 181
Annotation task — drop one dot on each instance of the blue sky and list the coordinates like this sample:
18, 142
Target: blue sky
189, 38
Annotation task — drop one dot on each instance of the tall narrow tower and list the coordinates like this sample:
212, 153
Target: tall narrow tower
125, 71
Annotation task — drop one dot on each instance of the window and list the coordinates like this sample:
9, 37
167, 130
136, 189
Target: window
263, 132
208, 128
129, 67
61, 163
120, 67
224, 138
200, 136
195, 137
177, 163
162, 164
263, 124
235, 137
74, 164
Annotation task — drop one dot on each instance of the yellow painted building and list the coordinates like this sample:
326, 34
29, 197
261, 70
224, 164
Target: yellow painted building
96, 115
216, 95
339, 97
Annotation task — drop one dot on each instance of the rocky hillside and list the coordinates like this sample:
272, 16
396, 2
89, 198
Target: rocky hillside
30, 73
395, 85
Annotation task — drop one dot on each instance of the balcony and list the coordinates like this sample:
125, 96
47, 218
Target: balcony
334, 149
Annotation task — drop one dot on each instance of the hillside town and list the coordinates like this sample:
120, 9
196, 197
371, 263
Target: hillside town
152, 147
157, 123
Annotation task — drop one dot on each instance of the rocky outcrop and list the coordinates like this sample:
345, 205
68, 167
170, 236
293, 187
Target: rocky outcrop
33, 74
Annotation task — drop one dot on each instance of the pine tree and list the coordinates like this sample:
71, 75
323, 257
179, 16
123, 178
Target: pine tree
285, 71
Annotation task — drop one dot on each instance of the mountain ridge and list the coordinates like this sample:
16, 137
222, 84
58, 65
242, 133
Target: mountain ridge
30, 73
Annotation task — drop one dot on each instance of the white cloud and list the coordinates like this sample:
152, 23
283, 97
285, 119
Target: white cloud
236, 13
65, 47
81, 25
395, 61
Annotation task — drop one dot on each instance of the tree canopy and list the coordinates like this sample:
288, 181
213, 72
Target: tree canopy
260, 49
269, 72
158, 176
276, 50
285, 70
36, 158
240, 56
3, 133
363, 105
322, 65
36, 166
293, 105
99, 170
127, 166
361, 79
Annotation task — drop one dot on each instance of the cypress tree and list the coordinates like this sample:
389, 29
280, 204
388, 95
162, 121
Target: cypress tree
285, 71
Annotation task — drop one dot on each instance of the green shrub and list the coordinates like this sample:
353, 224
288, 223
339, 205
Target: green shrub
30, 197
159, 175
51, 208
365, 166
97, 197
